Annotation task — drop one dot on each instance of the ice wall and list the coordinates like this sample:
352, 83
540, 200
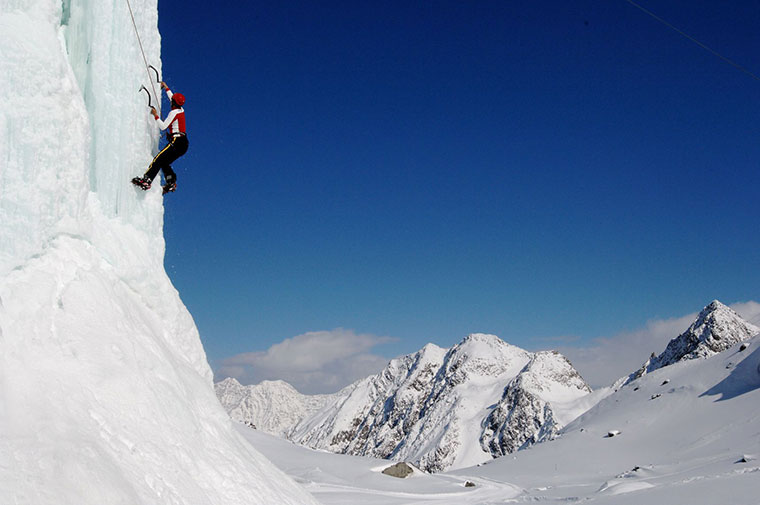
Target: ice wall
73, 127
43, 133
104, 54
105, 392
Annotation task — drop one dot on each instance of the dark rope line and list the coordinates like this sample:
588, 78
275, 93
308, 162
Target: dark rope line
147, 69
700, 44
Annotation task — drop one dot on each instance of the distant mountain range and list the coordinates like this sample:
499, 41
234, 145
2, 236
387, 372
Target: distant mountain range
451, 408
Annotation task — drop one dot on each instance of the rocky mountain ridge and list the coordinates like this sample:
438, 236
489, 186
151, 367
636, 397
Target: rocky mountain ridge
444, 409
438, 408
524, 415
716, 328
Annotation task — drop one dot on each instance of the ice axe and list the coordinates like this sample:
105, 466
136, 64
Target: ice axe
150, 101
158, 77
143, 88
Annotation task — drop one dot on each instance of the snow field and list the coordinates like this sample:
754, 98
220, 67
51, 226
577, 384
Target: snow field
339, 479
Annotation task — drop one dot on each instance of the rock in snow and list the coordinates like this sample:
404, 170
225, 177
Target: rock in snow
105, 393
400, 470
437, 408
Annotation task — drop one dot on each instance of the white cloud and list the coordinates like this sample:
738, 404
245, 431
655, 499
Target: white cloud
750, 311
611, 358
315, 362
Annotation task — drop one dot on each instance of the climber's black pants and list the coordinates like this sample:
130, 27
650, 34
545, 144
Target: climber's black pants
163, 160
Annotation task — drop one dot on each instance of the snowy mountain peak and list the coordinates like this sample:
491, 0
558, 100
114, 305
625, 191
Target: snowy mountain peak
525, 415
716, 305
430, 347
482, 337
716, 328
483, 345
549, 373
717, 320
229, 382
274, 407
429, 353
481, 354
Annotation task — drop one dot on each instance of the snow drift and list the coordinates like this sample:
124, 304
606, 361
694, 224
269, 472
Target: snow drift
105, 393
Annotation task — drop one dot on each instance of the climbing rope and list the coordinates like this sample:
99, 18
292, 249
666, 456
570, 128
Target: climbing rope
147, 66
700, 44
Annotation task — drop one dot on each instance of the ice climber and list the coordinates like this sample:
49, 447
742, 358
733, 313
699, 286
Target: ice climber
177, 137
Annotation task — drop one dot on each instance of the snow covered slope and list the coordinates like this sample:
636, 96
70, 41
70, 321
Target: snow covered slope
338, 479
681, 434
716, 328
105, 393
437, 408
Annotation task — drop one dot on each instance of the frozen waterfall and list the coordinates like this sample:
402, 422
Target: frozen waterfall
105, 392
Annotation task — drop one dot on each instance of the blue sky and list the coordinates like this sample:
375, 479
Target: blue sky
382, 175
